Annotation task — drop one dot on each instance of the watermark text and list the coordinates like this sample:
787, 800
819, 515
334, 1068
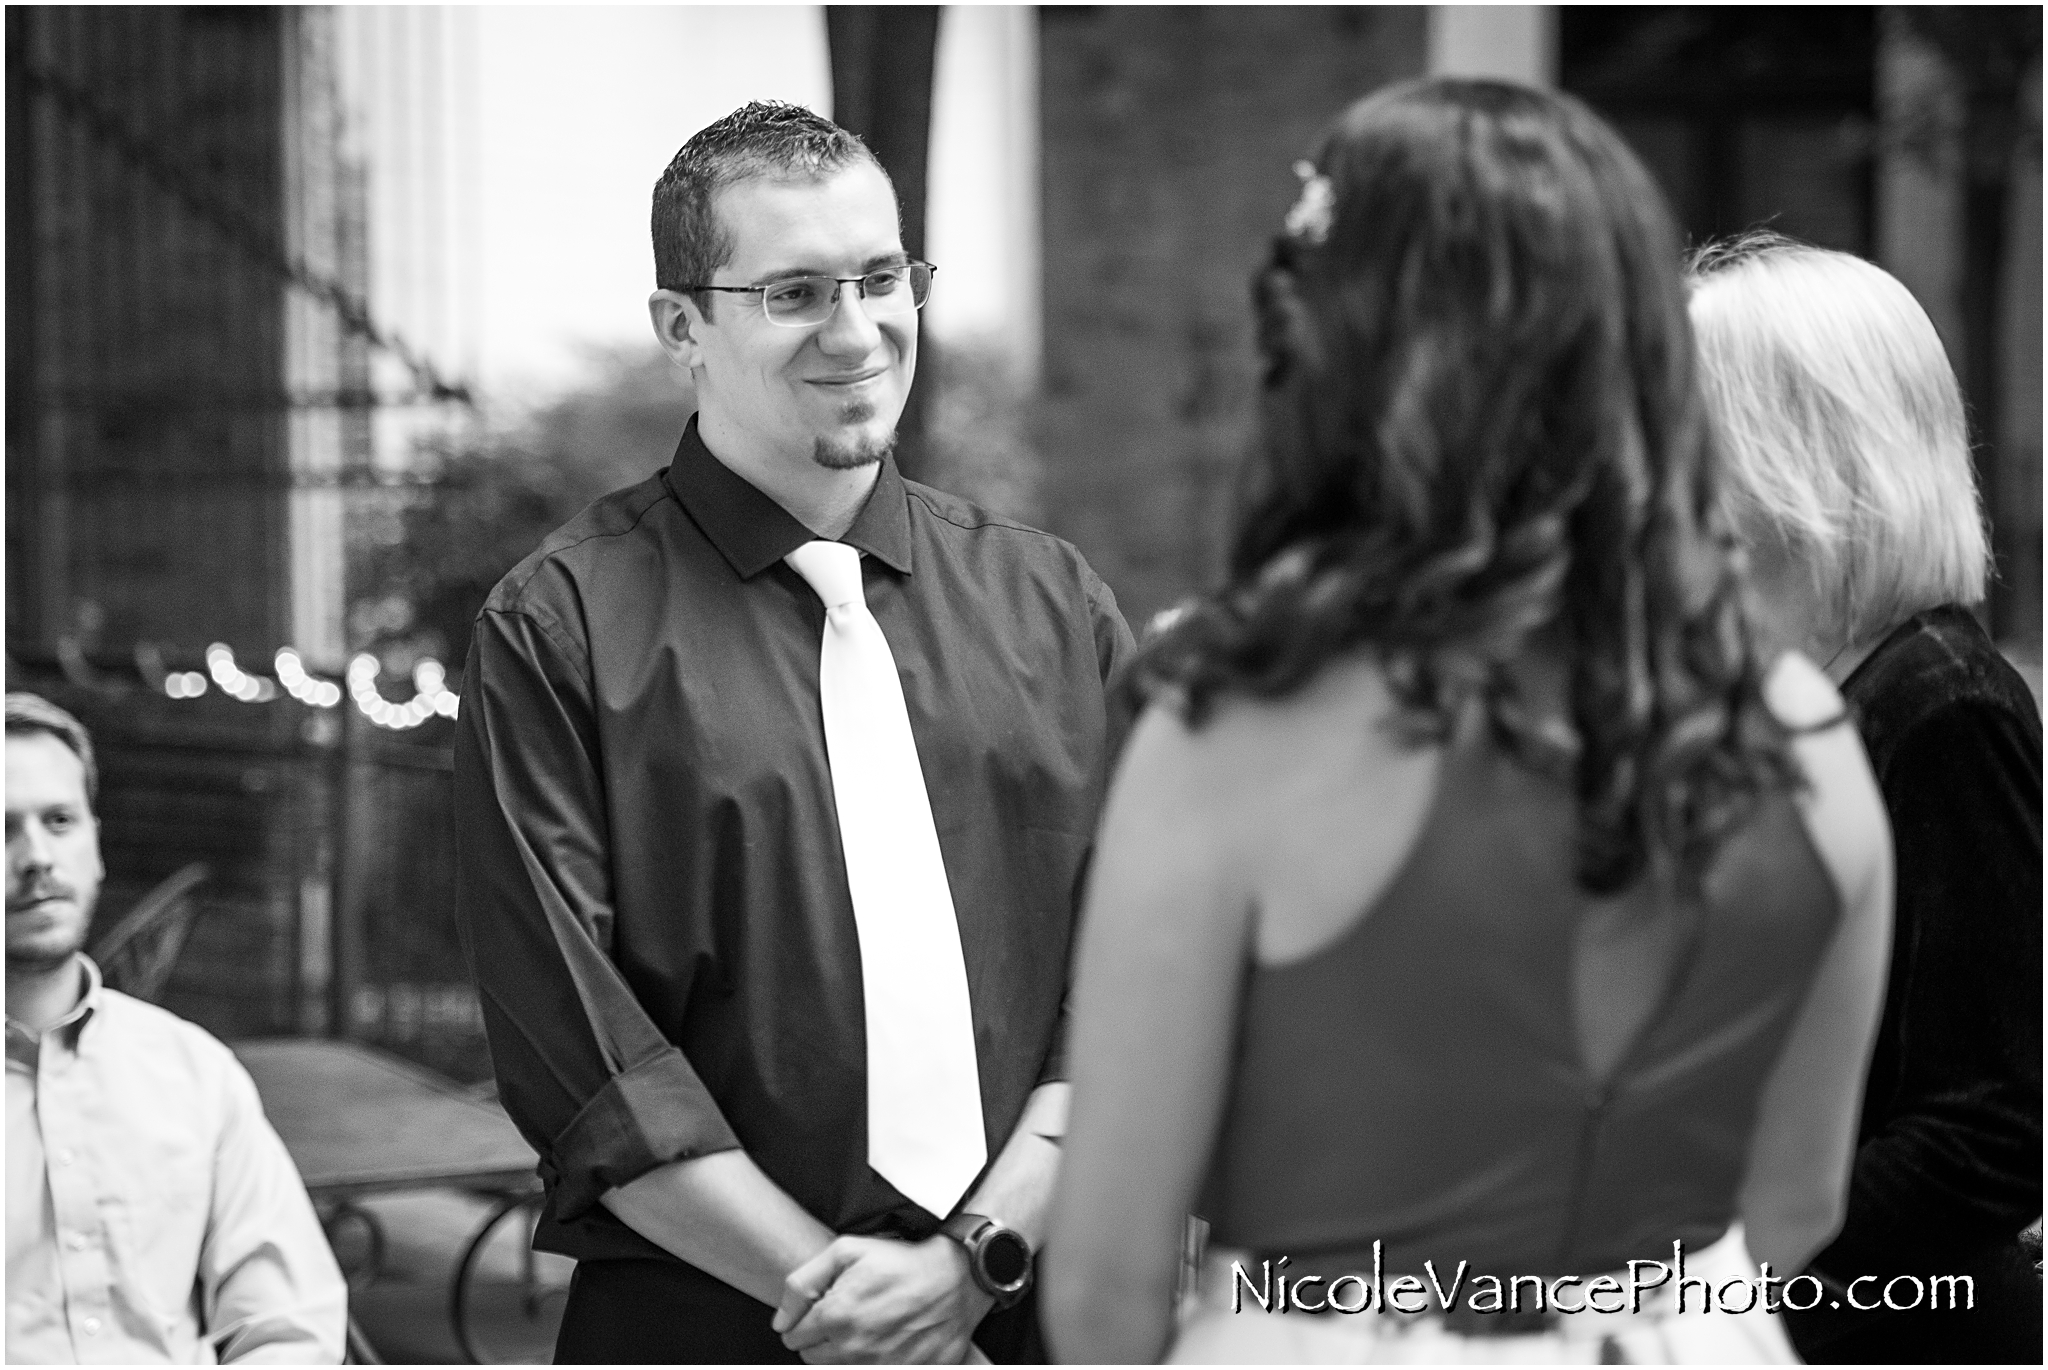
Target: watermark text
1663, 1285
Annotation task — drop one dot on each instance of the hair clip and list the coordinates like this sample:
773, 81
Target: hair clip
1309, 221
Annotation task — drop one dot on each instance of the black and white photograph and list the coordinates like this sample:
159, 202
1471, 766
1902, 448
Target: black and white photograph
906, 684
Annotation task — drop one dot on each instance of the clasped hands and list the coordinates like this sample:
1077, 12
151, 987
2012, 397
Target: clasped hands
879, 1300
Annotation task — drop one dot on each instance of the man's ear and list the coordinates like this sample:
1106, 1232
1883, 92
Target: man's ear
676, 319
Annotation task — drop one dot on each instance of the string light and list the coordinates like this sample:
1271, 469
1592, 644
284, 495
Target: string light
431, 696
429, 681
291, 673
234, 681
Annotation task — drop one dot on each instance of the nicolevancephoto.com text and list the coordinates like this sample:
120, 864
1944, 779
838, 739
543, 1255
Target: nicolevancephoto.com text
1272, 1290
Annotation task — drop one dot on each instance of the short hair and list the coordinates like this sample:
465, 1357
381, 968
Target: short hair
763, 138
30, 713
1842, 427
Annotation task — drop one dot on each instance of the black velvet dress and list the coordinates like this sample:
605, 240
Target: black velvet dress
1948, 1163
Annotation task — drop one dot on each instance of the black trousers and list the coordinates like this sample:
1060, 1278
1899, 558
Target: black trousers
644, 1312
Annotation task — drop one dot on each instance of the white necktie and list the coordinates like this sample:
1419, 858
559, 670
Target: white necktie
924, 1095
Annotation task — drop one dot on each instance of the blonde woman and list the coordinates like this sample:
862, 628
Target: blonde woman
1850, 480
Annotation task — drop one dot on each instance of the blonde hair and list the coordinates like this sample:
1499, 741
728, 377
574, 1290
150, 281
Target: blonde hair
28, 713
1842, 428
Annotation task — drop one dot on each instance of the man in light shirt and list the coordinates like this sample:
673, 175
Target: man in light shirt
152, 1213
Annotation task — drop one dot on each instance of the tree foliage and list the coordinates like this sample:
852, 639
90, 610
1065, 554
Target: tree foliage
423, 562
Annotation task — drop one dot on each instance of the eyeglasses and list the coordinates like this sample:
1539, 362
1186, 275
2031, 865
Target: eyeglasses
801, 301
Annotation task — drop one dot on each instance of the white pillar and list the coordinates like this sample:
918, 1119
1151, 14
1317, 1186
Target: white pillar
1510, 42
312, 357
983, 206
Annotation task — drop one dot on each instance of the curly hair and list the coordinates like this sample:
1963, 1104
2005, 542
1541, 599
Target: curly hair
1483, 432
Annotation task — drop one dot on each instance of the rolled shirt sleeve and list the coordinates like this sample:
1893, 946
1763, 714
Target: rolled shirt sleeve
583, 1071
652, 892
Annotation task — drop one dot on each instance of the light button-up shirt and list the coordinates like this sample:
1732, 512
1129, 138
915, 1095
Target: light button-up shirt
152, 1213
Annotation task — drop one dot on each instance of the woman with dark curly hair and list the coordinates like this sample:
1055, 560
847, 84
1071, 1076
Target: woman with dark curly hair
1473, 904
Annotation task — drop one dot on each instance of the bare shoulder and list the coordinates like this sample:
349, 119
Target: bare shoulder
1800, 695
1316, 798
1250, 752
1841, 804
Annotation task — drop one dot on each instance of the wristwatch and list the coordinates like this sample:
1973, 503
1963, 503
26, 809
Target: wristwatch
998, 1257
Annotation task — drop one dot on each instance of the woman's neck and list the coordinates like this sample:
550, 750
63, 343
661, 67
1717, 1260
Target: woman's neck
1844, 662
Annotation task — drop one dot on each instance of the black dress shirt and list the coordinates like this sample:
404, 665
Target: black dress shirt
652, 893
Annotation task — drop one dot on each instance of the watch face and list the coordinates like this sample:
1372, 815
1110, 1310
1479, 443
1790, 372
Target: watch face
1005, 1258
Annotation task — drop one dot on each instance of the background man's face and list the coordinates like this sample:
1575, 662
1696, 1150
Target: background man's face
830, 393
53, 852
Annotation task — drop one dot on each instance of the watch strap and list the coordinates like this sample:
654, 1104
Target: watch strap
965, 1227
972, 1231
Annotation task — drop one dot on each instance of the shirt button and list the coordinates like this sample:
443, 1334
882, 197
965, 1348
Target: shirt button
91, 1326
75, 1240
65, 1157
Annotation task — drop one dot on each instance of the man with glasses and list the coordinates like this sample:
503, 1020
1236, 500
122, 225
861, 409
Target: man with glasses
775, 775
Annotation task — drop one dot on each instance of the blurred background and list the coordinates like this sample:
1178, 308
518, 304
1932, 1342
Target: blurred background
319, 318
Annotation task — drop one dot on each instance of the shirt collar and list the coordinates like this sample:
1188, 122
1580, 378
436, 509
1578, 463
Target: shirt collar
24, 1046
753, 532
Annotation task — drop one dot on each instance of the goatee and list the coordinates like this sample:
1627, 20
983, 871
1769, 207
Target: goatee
848, 454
